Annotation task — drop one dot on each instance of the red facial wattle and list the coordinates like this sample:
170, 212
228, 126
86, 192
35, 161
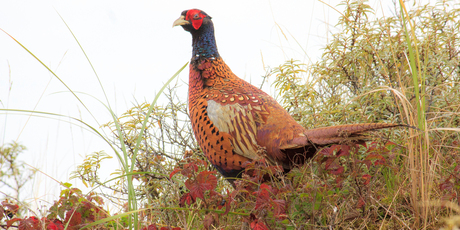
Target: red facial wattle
196, 17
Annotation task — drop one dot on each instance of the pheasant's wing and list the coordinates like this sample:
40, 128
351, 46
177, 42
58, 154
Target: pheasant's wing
240, 121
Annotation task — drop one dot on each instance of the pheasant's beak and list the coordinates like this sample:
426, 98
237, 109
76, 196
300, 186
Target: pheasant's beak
181, 21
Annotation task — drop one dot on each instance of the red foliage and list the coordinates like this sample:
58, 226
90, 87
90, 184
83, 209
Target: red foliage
209, 220
7, 209
55, 225
259, 171
73, 218
186, 198
338, 170
328, 157
72, 208
342, 150
150, 227
189, 169
367, 179
379, 159
349, 162
257, 224
339, 161
263, 196
9, 223
201, 185
154, 227
448, 186
265, 200
176, 170
204, 181
26, 223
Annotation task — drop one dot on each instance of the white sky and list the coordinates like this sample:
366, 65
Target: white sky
134, 51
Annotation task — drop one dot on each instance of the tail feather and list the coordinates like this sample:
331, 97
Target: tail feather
337, 134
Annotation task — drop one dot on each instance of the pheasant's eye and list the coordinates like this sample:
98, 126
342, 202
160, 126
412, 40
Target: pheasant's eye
196, 16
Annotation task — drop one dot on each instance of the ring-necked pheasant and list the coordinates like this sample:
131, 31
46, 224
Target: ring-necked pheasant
234, 122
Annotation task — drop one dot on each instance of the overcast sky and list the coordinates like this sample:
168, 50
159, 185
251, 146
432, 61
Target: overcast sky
134, 51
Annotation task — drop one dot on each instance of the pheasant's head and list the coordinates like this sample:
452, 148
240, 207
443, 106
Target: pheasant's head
199, 24
193, 20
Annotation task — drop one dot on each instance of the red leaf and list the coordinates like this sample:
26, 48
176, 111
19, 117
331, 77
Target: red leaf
209, 220
29, 223
329, 163
191, 166
379, 159
372, 147
374, 156
58, 224
174, 172
186, 198
390, 143
343, 150
368, 163
337, 171
361, 203
11, 222
326, 151
367, 179
258, 225
333, 166
263, 196
150, 227
446, 185
55, 225
11, 208
204, 181
207, 179
189, 169
363, 143
73, 217
279, 208
380, 162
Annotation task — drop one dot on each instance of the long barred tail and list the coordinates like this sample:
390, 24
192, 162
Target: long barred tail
337, 134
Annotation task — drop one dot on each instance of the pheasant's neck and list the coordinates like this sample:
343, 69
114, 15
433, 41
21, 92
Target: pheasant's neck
204, 44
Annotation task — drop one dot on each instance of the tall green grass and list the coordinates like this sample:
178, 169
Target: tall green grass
419, 157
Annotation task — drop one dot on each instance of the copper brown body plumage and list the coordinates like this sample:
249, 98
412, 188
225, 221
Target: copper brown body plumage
235, 122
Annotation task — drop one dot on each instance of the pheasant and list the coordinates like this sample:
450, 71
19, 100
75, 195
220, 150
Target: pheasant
235, 122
